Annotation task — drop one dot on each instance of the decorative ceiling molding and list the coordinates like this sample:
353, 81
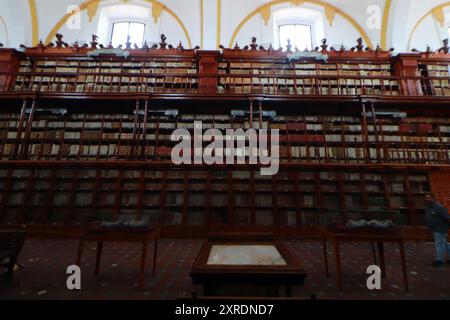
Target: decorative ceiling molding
297, 2
92, 9
332, 11
157, 9
426, 15
438, 14
385, 24
265, 14
219, 23
86, 3
34, 22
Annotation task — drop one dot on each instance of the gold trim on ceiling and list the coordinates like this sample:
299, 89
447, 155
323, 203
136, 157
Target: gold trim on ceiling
419, 22
34, 22
385, 24
219, 23
85, 4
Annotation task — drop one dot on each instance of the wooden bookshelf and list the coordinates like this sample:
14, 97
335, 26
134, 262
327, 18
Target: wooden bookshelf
83, 137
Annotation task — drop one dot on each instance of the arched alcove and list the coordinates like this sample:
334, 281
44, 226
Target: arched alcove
298, 16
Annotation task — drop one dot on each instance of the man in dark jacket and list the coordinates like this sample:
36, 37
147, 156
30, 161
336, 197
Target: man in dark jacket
437, 220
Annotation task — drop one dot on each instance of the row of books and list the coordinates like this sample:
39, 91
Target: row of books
42, 151
173, 173
86, 137
110, 64
437, 70
291, 119
310, 200
196, 196
298, 72
307, 66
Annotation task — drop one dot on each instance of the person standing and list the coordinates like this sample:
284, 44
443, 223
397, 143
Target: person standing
438, 220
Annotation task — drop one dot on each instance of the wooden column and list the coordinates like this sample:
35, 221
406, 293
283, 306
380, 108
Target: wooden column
9, 62
208, 66
407, 65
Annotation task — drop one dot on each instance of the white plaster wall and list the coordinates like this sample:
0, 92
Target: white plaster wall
16, 28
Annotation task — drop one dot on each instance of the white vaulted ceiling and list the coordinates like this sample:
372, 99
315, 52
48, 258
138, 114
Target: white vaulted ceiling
401, 24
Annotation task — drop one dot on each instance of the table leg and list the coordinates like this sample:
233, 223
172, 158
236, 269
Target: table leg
382, 259
404, 269
143, 257
374, 253
325, 256
337, 256
98, 257
155, 255
79, 252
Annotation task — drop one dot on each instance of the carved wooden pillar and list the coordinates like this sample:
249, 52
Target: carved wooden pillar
9, 62
407, 65
208, 69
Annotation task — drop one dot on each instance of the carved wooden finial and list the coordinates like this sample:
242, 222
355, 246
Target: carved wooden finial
253, 44
289, 46
360, 45
145, 45
445, 47
236, 46
40, 44
163, 43
94, 41
128, 43
59, 41
324, 45
180, 46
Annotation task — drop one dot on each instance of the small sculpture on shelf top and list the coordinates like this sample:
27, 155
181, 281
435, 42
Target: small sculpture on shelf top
253, 44
94, 45
359, 45
163, 43
94, 41
445, 49
324, 45
290, 48
128, 43
59, 41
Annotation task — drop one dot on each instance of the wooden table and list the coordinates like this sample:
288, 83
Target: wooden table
336, 236
238, 278
101, 235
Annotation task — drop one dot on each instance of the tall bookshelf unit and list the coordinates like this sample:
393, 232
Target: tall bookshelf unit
85, 132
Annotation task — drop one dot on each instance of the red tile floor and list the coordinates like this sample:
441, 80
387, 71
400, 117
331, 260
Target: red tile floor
45, 263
